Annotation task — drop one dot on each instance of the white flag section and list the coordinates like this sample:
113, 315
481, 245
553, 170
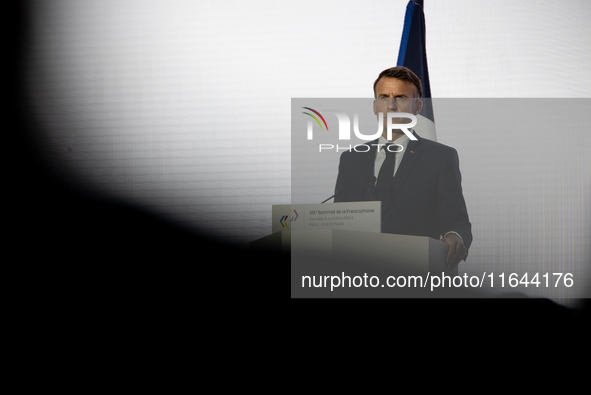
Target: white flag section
425, 128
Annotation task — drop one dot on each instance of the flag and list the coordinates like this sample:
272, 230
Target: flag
413, 55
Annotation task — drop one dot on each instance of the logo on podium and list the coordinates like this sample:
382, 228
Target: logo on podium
283, 220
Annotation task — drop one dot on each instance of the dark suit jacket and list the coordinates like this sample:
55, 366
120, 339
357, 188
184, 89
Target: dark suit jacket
426, 196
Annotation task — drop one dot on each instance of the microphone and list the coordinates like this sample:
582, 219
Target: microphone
337, 192
371, 190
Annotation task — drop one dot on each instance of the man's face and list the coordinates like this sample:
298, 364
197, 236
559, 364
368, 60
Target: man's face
394, 95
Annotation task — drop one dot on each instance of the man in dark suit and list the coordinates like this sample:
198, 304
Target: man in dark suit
418, 181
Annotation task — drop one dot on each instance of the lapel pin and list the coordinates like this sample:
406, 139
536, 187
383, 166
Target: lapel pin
412, 152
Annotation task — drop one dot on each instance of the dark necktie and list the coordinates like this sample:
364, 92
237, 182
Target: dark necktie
386, 176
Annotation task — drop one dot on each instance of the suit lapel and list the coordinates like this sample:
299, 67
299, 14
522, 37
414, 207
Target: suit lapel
370, 159
412, 154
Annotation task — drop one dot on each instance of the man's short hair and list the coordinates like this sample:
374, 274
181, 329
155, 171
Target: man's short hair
400, 73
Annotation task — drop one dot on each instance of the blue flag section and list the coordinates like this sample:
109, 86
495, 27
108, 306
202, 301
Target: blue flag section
413, 54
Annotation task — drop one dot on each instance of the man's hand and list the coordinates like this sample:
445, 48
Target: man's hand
457, 250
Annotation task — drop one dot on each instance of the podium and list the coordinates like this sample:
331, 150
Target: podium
382, 251
342, 243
